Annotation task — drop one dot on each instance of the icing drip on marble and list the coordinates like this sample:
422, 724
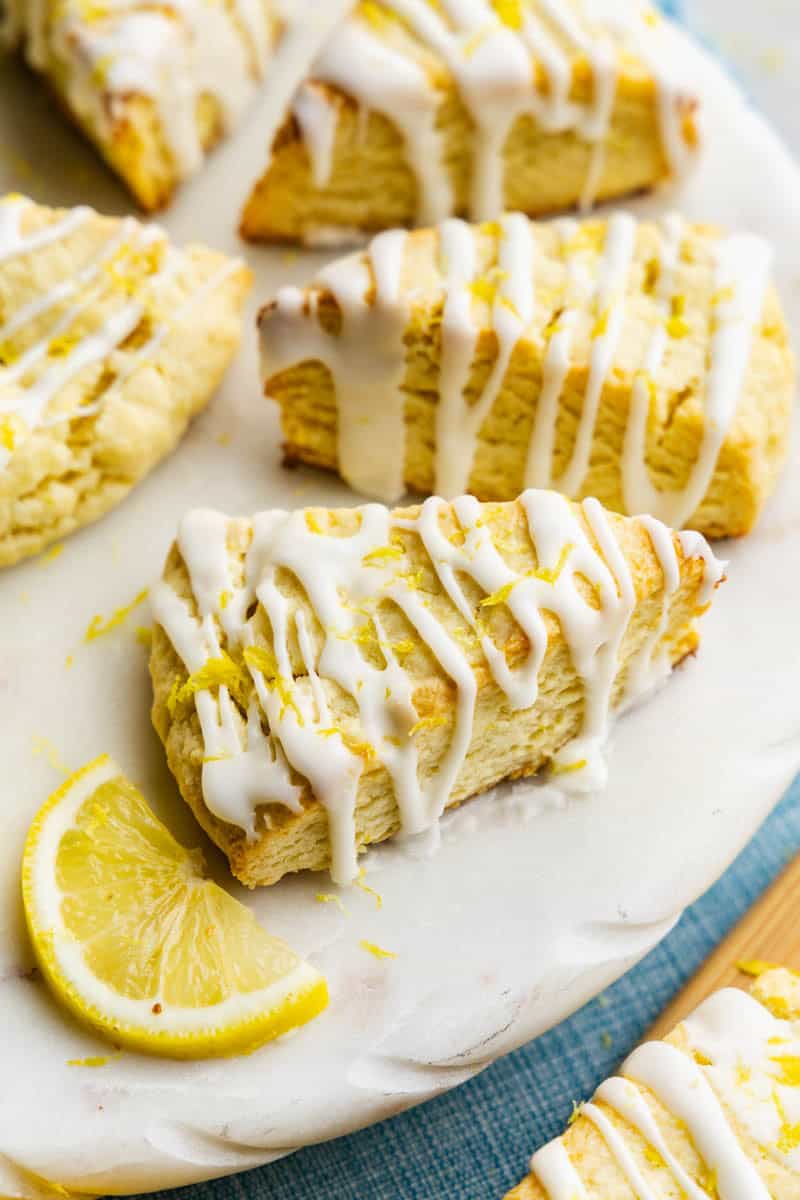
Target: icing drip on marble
367, 357
740, 1062
175, 54
503, 69
32, 380
345, 581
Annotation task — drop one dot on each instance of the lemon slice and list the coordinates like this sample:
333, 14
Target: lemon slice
135, 941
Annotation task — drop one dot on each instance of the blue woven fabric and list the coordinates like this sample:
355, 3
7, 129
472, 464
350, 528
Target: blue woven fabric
474, 1143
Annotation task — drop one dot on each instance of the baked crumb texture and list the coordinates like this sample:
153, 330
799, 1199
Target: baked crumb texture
325, 678
646, 364
712, 1111
154, 86
414, 112
110, 341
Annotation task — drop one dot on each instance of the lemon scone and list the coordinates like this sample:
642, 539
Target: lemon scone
135, 940
325, 678
154, 86
415, 111
646, 364
711, 1112
110, 341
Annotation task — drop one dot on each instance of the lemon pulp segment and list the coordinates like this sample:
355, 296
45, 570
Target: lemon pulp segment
138, 943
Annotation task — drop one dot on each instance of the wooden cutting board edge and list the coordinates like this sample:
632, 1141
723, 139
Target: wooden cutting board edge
769, 932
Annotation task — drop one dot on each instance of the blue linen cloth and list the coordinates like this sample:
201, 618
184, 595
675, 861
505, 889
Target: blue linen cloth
474, 1143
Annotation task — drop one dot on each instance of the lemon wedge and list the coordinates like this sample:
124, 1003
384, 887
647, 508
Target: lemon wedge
136, 942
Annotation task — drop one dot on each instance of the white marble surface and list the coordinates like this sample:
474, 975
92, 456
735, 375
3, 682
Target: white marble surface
523, 915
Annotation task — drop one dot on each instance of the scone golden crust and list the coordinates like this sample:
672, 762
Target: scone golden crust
326, 677
646, 364
711, 1111
111, 340
153, 86
414, 112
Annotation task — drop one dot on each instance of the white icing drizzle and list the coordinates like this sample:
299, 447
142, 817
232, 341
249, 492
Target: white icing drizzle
367, 357
458, 424
317, 121
553, 1168
742, 276
610, 303
680, 1085
174, 54
495, 67
749, 1062
33, 381
345, 580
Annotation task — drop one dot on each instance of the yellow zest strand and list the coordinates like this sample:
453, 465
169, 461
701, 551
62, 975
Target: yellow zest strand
98, 627
376, 951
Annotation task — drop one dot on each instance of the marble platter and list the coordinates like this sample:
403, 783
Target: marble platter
527, 910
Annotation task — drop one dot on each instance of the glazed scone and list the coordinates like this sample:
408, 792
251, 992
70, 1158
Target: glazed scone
111, 340
646, 364
325, 678
415, 111
711, 1112
154, 86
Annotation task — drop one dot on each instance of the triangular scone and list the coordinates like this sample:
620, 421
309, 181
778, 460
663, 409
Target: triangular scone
325, 678
110, 341
645, 364
154, 86
415, 111
711, 1112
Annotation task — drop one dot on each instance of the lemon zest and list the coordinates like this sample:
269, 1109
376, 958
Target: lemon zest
144, 635
500, 596
376, 951
577, 1109
601, 325
380, 555
551, 574
330, 898
51, 554
97, 1060
755, 966
8, 438
789, 1067
404, 646
568, 768
427, 723
312, 522
261, 658
510, 12
44, 748
98, 627
360, 883
283, 687
216, 672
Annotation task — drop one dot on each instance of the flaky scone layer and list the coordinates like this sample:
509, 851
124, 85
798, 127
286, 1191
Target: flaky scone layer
713, 1109
410, 115
111, 340
503, 740
153, 87
645, 364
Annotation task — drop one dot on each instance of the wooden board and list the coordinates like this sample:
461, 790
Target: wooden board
768, 932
